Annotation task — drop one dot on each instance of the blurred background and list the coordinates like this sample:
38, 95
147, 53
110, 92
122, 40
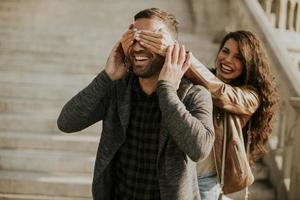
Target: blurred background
51, 49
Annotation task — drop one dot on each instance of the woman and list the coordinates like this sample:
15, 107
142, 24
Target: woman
242, 87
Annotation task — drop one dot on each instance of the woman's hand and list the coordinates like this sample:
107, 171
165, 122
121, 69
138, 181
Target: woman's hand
176, 64
127, 39
157, 42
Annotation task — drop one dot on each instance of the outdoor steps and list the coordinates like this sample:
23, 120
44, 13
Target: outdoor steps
49, 51
201, 46
43, 183
38, 123
38, 197
51, 79
66, 58
79, 41
32, 91
35, 85
53, 161
30, 106
75, 142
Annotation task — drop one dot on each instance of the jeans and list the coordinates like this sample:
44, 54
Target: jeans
209, 187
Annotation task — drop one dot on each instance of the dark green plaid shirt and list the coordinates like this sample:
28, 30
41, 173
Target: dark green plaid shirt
135, 164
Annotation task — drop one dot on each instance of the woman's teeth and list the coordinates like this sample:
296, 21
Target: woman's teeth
226, 68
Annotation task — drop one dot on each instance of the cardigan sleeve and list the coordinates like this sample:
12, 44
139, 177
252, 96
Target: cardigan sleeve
189, 125
87, 107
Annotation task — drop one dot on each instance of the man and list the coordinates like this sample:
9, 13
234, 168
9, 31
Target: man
152, 133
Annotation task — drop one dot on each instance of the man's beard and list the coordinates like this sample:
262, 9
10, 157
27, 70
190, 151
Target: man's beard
154, 68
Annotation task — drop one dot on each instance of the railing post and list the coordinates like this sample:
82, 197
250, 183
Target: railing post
282, 126
282, 14
291, 14
297, 16
295, 171
267, 7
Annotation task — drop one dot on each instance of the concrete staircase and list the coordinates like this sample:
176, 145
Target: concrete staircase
50, 50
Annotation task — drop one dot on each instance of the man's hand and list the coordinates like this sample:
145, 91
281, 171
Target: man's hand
115, 64
157, 42
176, 64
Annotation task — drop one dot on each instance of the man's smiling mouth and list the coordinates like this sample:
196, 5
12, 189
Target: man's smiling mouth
141, 58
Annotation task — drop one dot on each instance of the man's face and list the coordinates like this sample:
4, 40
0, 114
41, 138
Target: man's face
146, 63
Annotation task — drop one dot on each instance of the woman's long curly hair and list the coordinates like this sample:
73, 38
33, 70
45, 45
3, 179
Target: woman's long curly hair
256, 73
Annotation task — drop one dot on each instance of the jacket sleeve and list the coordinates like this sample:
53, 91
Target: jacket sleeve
87, 107
191, 127
239, 100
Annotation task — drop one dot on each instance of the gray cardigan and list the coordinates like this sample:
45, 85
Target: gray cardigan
186, 131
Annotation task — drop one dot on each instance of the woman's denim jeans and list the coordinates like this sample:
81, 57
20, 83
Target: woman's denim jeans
209, 187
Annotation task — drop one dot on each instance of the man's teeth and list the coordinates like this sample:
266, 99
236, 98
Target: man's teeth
226, 68
140, 58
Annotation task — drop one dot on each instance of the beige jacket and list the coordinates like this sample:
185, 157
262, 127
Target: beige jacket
239, 103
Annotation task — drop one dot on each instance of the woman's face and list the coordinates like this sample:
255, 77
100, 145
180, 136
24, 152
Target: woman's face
228, 62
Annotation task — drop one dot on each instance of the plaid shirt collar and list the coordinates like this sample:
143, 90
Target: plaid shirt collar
136, 87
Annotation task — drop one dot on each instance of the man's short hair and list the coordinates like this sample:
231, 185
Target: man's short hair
167, 18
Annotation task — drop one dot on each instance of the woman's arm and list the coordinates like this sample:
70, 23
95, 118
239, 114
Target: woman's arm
240, 100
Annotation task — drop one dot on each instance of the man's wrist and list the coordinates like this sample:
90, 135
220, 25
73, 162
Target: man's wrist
109, 75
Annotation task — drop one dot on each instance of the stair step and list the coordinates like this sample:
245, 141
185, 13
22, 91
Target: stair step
54, 56
51, 79
33, 91
87, 14
36, 141
36, 197
30, 106
259, 190
91, 66
48, 184
38, 123
192, 43
290, 39
56, 43
46, 161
